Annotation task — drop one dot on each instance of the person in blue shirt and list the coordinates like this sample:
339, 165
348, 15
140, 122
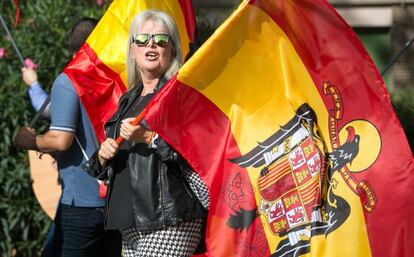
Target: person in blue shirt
79, 222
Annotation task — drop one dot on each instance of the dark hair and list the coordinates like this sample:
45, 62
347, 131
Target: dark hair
80, 32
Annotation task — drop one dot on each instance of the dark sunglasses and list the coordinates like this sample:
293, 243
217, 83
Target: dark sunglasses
142, 39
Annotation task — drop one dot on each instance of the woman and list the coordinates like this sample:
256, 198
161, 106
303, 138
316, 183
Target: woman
149, 199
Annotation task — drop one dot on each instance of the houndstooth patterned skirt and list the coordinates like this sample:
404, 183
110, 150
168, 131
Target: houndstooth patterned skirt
180, 240
197, 186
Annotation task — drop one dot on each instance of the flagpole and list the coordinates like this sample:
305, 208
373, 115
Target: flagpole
135, 122
39, 112
46, 102
395, 58
12, 40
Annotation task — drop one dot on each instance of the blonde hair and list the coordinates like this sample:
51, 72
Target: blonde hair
133, 75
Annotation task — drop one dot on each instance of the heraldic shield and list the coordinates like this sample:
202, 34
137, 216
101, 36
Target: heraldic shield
295, 192
290, 189
291, 180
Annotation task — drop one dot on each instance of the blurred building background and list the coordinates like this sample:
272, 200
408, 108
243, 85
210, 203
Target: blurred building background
384, 27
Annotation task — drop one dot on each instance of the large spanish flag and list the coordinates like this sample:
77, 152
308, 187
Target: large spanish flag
287, 120
98, 70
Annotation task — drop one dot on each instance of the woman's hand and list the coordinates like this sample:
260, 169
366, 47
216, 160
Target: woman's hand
108, 150
135, 133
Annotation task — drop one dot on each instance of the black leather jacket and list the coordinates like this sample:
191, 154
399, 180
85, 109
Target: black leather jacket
160, 195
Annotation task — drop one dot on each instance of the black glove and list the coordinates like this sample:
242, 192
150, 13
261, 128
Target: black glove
26, 138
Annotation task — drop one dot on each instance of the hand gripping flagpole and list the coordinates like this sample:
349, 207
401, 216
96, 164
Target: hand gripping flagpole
120, 139
135, 122
46, 102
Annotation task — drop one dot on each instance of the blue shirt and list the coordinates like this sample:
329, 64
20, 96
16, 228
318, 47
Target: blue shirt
67, 114
37, 95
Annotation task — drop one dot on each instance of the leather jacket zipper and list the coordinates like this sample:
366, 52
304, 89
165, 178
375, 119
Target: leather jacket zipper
116, 128
161, 193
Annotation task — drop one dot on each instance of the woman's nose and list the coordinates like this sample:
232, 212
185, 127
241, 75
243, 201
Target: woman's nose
151, 42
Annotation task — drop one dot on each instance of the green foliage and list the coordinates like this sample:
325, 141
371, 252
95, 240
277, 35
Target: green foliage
42, 35
404, 107
204, 28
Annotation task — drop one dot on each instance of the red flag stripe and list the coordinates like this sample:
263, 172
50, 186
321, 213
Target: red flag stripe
189, 17
99, 88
